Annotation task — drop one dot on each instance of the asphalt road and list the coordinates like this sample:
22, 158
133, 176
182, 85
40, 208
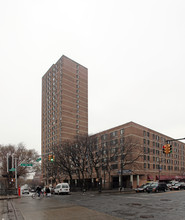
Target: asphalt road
91, 206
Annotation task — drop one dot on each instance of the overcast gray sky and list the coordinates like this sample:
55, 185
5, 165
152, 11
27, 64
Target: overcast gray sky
134, 51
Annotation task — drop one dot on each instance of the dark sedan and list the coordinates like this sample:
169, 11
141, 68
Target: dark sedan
157, 187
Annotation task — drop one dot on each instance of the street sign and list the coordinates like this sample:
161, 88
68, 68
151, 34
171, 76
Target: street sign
26, 164
39, 159
12, 169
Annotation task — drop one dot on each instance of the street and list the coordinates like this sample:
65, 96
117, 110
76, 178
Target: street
127, 206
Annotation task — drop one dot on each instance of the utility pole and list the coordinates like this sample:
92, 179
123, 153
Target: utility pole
13, 160
7, 160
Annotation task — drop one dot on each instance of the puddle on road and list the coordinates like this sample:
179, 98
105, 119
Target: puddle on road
121, 212
165, 200
146, 216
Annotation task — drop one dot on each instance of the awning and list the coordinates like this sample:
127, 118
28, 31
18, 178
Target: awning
170, 177
163, 178
149, 177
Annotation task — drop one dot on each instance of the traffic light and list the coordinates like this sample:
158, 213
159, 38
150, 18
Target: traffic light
167, 149
170, 148
53, 157
164, 149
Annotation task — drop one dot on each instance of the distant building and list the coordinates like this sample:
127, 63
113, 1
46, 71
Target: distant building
153, 163
64, 103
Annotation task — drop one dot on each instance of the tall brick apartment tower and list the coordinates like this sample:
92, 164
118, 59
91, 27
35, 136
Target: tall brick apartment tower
64, 103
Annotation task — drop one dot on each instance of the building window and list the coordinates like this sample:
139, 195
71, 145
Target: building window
122, 131
113, 134
114, 166
121, 140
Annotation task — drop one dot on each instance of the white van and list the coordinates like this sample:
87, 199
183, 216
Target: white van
62, 188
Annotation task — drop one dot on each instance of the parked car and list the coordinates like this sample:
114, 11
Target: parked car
178, 186
32, 190
62, 188
142, 188
172, 184
25, 191
157, 187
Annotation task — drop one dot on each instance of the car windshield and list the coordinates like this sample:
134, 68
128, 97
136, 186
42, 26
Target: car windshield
154, 185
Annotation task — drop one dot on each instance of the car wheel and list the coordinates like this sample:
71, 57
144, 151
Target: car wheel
156, 190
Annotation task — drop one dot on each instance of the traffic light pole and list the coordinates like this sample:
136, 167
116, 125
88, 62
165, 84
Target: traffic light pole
175, 139
16, 173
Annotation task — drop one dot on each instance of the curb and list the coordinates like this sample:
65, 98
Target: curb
105, 192
9, 197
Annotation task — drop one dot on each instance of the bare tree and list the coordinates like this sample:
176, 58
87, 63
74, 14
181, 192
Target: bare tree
130, 153
22, 155
95, 154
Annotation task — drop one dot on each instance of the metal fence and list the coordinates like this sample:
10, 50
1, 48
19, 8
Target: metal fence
5, 192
